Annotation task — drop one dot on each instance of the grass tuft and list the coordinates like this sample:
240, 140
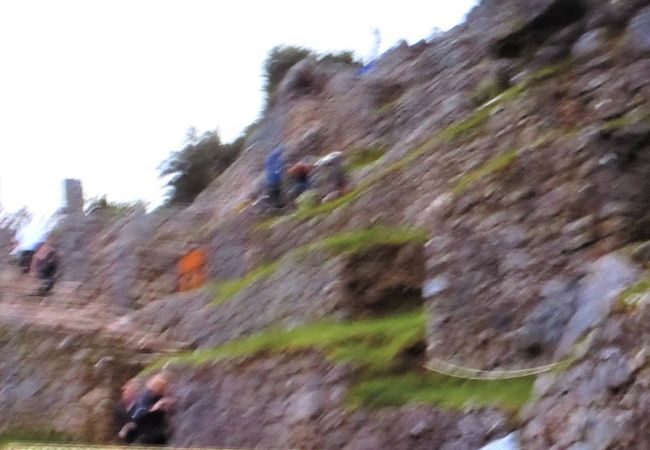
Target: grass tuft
493, 165
364, 156
373, 347
372, 342
443, 391
228, 289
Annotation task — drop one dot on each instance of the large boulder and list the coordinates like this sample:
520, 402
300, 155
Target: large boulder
513, 26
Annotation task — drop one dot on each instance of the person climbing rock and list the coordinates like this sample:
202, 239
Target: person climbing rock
300, 174
45, 264
148, 414
28, 240
336, 178
274, 173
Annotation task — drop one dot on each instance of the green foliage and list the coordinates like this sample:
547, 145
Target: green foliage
377, 340
487, 90
360, 241
629, 298
364, 156
282, 58
278, 63
374, 348
32, 435
637, 116
493, 165
344, 57
194, 167
444, 391
228, 289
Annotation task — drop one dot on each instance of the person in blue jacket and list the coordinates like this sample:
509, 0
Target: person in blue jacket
274, 173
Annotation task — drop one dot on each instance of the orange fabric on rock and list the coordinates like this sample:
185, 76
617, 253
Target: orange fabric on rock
191, 270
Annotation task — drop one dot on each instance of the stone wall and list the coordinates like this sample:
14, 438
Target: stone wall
63, 382
304, 288
298, 401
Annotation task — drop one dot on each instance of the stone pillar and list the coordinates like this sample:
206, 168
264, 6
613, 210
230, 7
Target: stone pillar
74, 197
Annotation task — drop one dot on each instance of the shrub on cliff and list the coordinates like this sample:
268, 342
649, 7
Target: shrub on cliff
283, 58
197, 164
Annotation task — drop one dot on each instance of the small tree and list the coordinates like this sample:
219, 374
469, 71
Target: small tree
283, 58
346, 57
196, 165
278, 63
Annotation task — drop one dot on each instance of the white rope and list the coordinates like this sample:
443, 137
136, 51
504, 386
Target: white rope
452, 370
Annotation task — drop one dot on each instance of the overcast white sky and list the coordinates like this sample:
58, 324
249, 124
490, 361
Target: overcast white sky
104, 90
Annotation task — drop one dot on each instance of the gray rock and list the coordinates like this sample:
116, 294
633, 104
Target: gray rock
509, 442
514, 236
434, 286
515, 260
607, 277
579, 233
613, 373
638, 32
609, 427
589, 43
305, 406
364, 443
544, 326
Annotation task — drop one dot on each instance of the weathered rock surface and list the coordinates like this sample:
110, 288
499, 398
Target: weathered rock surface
298, 401
524, 194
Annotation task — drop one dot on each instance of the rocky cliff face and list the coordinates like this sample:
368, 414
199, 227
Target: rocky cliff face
518, 145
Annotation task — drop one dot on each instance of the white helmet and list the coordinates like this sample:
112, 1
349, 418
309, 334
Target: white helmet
330, 158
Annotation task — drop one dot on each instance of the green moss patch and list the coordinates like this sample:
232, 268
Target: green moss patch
496, 164
359, 241
364, 156
373, 343
628, 300
228, 289
638, 116
447, 392
374, 347
32, 435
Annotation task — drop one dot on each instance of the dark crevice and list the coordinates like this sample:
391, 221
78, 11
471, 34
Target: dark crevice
392, 300
557, 16
412, 357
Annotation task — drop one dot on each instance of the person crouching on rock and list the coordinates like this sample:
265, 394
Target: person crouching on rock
148, 414
300, 177
125, 408
45, 264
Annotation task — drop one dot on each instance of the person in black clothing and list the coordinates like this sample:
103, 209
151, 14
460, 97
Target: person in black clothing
126, 407
45, 264
147, 422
